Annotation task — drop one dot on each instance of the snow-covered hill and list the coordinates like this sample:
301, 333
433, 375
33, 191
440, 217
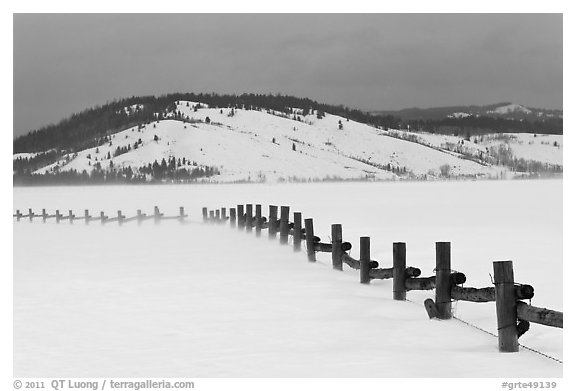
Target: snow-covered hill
510, 108
254, 145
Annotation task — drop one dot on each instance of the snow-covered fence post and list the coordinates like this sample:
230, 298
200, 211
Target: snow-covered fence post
297, 231
139, 216
232, 217
18, 215
70, 216
181, 216
240, 216
365, 260
284, 228
248, 221
30, 214
272, 221
58, 216
443, 281
337, 246
399, 271
258, 220
204, 214
86, 216
102, 217
44, 215
506, 306
309, 226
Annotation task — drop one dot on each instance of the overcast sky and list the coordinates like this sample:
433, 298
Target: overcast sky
66, 63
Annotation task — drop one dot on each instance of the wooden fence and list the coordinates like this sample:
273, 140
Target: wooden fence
120, 217
513, 314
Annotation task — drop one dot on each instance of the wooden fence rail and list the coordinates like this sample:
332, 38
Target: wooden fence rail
513, 315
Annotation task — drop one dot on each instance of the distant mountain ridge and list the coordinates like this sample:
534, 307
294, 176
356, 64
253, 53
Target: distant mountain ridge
507, 110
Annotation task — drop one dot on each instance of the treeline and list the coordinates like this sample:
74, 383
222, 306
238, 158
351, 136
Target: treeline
175, 170
23, 165
86, 129
171, 171
473, 125
502, 155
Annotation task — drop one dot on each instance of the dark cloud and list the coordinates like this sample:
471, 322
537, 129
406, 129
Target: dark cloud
66, 63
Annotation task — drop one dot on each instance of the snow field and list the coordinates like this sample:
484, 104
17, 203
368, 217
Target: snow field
209, 301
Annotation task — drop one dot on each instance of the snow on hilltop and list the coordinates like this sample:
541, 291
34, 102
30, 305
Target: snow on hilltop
511, 108
459, 115
133, 108
254, 145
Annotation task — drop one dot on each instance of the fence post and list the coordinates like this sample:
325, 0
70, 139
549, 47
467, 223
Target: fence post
139, 215
505, 306
240, 216
309, 226
58, 216
120, 217
337, 246
443, 282
272, 221
181, 217
258, 218
212, 217
156, 215
18, 215
44, 215
399, 271
86, 216
365, 260
232, 217
102, 217
30, 214
217, 215
204, 214
284, 217
223, 214
297, 231
249, 223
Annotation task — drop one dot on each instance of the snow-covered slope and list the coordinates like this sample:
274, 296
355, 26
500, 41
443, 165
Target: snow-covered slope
511, 108
24, 155
253, 145
542, 148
